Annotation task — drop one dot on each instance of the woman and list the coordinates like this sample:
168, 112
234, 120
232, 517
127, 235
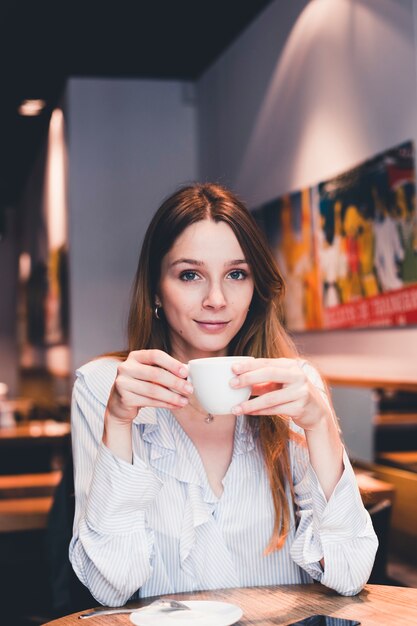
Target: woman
168, 501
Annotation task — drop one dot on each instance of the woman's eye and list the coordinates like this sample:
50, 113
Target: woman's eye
237, 275
188, 276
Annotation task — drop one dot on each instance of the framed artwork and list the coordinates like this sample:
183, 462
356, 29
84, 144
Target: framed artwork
347, 247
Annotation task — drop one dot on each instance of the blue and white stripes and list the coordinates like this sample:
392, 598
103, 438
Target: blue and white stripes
155, 526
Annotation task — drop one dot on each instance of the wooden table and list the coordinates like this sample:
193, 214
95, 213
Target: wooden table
376, 605
24, 514
34, 432
372, 489
31, 457
36, 446
41, 485
25, 501
403, 460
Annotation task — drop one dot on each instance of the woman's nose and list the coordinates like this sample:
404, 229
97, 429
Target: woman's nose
215, 297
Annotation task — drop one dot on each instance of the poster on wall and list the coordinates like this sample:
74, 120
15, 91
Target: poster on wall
347, 247
289, 224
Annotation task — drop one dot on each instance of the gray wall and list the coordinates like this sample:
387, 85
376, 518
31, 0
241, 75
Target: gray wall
308, 91
355, 407
130, 143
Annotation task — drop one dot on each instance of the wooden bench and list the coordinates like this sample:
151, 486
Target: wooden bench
29, 485
24, 514
25, 501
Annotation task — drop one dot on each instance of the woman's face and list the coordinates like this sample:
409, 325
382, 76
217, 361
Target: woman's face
205, 289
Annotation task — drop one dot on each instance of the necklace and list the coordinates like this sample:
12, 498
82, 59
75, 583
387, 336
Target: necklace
209, 417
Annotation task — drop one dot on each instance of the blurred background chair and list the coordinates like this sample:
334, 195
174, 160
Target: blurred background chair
68, 594
381, 519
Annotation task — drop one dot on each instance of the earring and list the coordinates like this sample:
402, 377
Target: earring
156, 311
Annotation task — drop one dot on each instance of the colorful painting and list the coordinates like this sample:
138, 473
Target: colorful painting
347, 247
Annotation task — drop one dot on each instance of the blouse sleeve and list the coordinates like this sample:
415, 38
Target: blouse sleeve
338, 530
111, 547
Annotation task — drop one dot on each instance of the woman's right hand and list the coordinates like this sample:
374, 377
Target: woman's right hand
147, 378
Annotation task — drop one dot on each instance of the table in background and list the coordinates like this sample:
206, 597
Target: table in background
33, 446
373, 490
405, 460
25, 500
40, 431
278, 606
32, 455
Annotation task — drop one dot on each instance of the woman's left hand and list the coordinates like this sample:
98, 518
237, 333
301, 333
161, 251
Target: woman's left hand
281, 387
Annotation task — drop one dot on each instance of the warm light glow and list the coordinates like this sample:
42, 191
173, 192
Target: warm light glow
58, 360
55, 183
31, 107
25, 264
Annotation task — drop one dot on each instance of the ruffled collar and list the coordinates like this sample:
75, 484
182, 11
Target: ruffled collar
172, 452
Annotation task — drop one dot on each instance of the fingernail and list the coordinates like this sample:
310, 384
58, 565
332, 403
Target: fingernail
237, 367
183, 371
237, 410
189, 388
234, 382
183, 401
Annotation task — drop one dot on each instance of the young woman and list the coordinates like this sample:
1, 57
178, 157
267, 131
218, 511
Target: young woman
167, 501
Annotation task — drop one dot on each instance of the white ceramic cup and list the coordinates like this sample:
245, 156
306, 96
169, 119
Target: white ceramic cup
211, 381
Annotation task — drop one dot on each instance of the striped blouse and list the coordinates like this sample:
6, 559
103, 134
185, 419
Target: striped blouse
155, 526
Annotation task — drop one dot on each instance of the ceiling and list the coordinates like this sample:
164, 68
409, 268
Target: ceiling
43, 43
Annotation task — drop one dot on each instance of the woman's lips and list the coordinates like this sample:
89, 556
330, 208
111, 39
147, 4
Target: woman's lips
211, 327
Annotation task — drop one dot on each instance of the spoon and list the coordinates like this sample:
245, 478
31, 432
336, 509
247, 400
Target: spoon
166, 605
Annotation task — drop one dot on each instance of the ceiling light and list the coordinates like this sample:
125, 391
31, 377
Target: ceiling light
31, 107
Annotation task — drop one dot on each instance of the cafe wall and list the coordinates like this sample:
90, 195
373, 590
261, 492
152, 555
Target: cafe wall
130, 143
308, 91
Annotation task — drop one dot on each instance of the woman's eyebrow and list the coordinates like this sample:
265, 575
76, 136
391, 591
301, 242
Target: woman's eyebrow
237, 262
187, 261
200, 263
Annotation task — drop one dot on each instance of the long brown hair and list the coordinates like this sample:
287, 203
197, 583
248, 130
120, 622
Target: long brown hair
262, 334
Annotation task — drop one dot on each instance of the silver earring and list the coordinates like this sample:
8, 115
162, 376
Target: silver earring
156, 311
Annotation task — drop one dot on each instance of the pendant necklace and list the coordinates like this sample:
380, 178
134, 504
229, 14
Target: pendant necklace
209, 417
